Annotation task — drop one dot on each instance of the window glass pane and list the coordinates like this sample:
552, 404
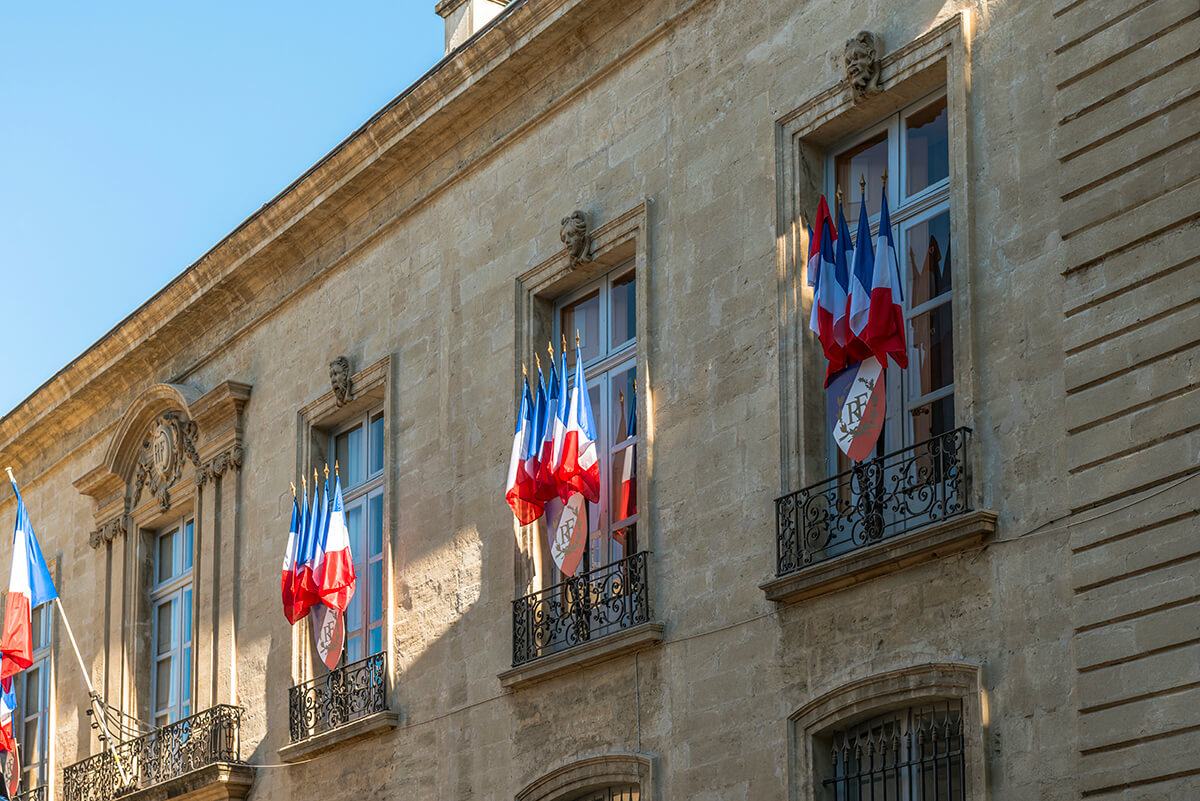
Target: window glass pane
354, 522
188, 536
162, 684
927, 253
32, 684
187, 615
166, 556
29, 743
933, 418
583, 316
163, 719
187, 680
37, 621
349, 454
624, 483
927, 153
623, 318
623, 404
869, 159
625, 542
354, 648
376, 457
375, 524
931, 351
375, 590
376, 640
166, 629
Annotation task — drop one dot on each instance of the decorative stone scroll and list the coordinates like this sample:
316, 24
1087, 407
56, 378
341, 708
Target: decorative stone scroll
111, 530
172, 440
576, 237
862, 65
219, 465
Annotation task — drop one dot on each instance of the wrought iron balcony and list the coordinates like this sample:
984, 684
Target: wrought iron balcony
339, 697
882, 498
204, 739
583, 608
32, 794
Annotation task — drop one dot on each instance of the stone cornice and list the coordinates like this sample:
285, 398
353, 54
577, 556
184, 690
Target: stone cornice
285, 235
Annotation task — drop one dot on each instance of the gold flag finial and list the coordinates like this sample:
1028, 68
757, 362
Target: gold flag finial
577, 337
292, 484
304, 484
10, 475
564, 344
327, 471
862, 182
838, 197
537, 359
524, 370
885, 179
335, 467
550, 349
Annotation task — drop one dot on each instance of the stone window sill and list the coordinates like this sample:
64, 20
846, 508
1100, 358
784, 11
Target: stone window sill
371, 724
603, 649
926, 544
222, 781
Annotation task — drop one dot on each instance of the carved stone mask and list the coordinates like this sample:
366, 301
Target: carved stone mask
339, 378
575, 237
861, 57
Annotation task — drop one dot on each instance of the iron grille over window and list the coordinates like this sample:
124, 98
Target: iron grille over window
203, 739
914, 754
880, 498
339, 697
585, 607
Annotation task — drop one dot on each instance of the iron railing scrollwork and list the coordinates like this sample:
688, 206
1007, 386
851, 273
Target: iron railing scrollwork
582, 608
203, 739
32, 794
880, 498
338, 697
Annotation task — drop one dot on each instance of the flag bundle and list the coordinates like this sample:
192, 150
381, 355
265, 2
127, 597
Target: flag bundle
29, 586
554, 446
858, 317
318, 565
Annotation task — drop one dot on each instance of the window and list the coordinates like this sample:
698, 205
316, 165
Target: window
912, 149
171, 602
33, 702
358, 448
603, 315
913, 754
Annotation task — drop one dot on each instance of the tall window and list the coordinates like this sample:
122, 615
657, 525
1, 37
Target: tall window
603, 314
358, 447
912, 146
33, 703
171, 600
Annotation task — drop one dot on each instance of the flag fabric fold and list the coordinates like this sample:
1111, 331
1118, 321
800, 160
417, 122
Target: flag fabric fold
29, 586
520, 490
862, 271
287, 579
546, 484
885, 321
337, 579
580, 467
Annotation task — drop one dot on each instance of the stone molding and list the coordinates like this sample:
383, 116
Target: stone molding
593, 773
223, 781
371, 724
167, 431
940, 57
876, 693
603, 649
926, 544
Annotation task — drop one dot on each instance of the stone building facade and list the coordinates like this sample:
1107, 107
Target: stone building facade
1008, 609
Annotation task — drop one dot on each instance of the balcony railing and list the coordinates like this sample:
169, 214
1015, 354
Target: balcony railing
33, 794
583, 608
206, 738
881, 498
337, 698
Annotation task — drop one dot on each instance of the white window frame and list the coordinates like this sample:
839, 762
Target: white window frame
178, 590
358, 497
34, 760
600, 372
905, 211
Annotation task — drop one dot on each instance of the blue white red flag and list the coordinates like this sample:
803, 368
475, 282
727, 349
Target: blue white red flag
862, 272
29, 586
314, 537
580, 467
337, 579
533, 455
519, 490
288, 577
8, 705
843, 255
562, 411
627, 470
885, 321
547, 481
829, 295
857, 408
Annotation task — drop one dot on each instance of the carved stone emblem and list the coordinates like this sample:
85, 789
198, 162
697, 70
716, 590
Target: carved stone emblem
117, 527
172, 440
576, 238
862, 64
339, 378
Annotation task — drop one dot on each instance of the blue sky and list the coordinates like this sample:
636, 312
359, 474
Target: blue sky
136, 135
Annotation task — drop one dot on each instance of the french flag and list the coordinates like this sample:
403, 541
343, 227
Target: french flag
337, 577
520, 487
627, 493
302, 601
288, 579
885, 321
580, 468
8, 705
558, 425
533, 453
862, 270
546, 484
311, 554
830, 289
843, 255
29, 586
